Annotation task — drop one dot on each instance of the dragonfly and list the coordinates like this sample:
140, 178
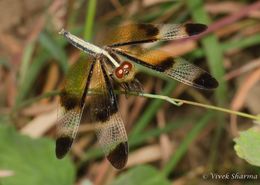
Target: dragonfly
115, 63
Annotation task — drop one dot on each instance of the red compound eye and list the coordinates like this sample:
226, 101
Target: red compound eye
127, 65
119, 72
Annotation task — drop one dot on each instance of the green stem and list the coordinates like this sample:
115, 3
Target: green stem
89, 21
174, 101
28, 51
212, 107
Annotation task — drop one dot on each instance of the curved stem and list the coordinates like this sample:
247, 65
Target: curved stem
212, 107
174, 101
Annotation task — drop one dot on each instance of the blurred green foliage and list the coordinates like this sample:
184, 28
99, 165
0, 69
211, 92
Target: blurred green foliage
32, 161
248, 146
141, 175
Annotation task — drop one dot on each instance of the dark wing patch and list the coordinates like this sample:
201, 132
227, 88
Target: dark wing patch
176, 68
189, 74
145, 33
119, 152
206, 80
63, 145
104, 114
149, 30
194, 29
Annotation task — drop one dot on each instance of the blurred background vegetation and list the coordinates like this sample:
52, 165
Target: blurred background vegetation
168, 144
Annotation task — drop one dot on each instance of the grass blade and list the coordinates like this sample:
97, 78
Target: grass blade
89, 21
176, 157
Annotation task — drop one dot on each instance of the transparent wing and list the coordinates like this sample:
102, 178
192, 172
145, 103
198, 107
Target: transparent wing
103, 110
72, 103
67, 129
176, 68
145, 33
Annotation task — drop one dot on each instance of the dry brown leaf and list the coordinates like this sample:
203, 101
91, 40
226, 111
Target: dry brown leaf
250, 30
40, 125
145, 155
85, 127
10, 43
179, 48
51, 80
6, 173
58, 10
37, 109
228, 7
243, 69
103, 169
110, 176
223, 7
232, 28
11, 89
147, 3
78, 147
124, 108
240, 97
253, 99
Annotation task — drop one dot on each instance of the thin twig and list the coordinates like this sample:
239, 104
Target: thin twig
174, 101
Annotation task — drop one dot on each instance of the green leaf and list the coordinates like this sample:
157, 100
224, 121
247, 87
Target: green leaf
54, 49
141, 175
248, 146
33, 71
32, 161
25, 63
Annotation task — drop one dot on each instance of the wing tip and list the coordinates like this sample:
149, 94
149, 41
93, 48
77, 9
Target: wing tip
119, 155
206, 81
63, 144
195, 28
